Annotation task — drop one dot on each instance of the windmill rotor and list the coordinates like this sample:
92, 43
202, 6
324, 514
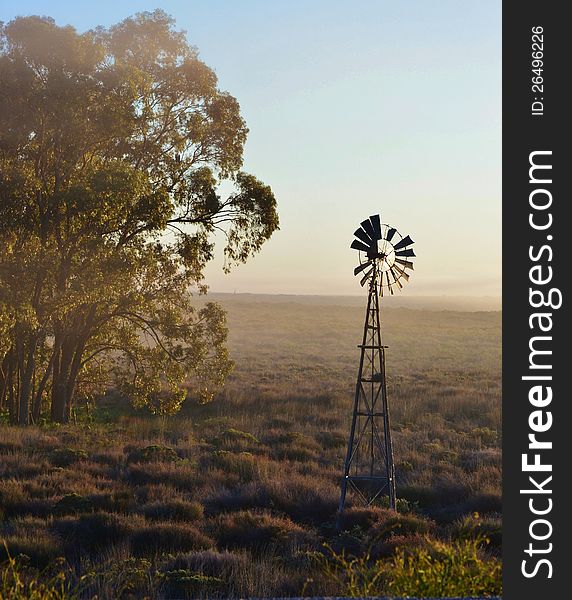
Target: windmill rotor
384, 254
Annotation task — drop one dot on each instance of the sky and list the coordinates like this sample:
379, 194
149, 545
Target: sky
353, 109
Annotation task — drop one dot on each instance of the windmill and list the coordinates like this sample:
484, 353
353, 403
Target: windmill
385, 259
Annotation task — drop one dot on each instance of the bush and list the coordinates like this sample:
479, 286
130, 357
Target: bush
125, 579
12, 497
302, 499
332, 439
154, 453
256, 530
391, 523
19, 582
64, 457
444, 570
94, 533
29, 538
182, 581
236, 439
72, 504
168, 537
433, 569
175, 510
362, 517
243, 464
209, 562
476, 527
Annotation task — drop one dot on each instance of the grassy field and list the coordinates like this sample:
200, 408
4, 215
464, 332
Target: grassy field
238, 497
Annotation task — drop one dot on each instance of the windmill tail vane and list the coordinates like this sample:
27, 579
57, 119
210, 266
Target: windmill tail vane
385, 259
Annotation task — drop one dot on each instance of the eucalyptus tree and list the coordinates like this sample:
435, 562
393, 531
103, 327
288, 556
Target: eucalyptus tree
113, 146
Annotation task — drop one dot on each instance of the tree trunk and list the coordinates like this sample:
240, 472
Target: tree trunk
26, 374
58, 408
11, 398
37, 402
4, 381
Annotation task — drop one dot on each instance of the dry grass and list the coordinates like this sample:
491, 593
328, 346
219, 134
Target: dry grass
227, 499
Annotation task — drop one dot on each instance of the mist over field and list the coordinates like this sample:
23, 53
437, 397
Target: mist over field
231, 489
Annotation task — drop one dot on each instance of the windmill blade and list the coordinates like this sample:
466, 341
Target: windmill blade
357, 245
363, 236
365, 277
406, 264
389, 283
390, 233
406, 241
369, 229
376, 224
361, 267
396, 277
408, 252
401, 272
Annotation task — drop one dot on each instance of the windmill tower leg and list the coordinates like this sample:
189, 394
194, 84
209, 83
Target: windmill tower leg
368, 469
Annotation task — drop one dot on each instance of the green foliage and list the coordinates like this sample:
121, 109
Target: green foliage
119, 579
19, 582
445, 570
355, 577
154, 453
234, 438
64, 457
73, 503
243, 464
185, 581
441, 569
113, 144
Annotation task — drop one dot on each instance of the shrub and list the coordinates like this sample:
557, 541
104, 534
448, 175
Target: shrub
119, 501
243, 464
486, 435
126, 578
234, 438
362, 517
332, 439
95, 532
30, 537
64, 457
19, 582
256, 530
168, 537
174, 510
180, 474
184, 581
209, 562
392, 523
444, 570
354, 577
302, 499
477, 527
292, 445
73, 503
12, 497
154, 453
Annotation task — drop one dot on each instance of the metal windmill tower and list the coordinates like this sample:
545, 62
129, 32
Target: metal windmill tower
368, 469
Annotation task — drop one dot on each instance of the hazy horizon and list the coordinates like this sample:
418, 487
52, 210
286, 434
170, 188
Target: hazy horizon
412, 302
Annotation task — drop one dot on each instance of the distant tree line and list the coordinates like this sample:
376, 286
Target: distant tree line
113, 144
